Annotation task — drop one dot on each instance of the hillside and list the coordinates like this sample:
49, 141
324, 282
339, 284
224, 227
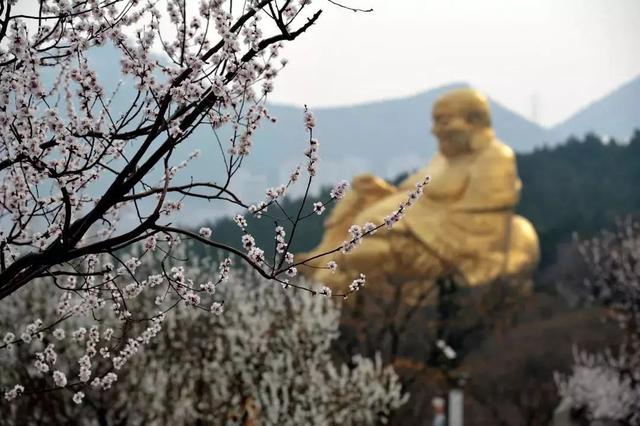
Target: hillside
382, 137
614, 115
580, 186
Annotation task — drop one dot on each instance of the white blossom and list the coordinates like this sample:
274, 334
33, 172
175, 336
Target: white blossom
14, 392
209, 287
289, 257
59, 333
309, 120
59, 378
78, 397
9, 338
217, 308
205, 232
325, 291
338, 192
369, 228
240, 221
358, 283
292, 271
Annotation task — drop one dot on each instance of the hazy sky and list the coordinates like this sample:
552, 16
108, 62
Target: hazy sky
545, 59
558, 54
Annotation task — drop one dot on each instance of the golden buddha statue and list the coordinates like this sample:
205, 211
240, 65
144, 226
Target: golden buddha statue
463, 225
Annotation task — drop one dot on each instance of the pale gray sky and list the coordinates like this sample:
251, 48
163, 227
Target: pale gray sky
557, 54
564, 53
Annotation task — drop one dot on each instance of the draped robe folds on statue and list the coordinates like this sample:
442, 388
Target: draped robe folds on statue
463, 225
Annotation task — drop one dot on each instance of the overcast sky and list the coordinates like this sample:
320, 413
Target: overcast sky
557, 54
545, 59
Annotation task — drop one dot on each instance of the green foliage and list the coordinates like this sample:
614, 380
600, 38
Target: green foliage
580, 186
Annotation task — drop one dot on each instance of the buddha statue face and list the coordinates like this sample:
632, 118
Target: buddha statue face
457, 117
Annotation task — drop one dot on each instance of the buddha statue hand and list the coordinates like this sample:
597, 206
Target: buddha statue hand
366, 190
372, 186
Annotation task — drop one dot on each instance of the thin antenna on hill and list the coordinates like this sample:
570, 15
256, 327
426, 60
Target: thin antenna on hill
534, 108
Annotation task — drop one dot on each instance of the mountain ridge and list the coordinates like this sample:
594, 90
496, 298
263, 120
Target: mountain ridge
614, 115
386, 138
383, 137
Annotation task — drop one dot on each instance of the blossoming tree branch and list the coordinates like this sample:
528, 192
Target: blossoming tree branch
77, 163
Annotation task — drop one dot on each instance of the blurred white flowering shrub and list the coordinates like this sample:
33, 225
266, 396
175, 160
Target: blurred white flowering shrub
265, 359
606, 386
598, 386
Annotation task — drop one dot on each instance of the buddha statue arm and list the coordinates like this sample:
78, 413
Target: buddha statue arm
367, 189
369, 184
447, 184
493, 184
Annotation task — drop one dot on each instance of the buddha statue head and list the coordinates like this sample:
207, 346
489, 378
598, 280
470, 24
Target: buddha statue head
461, 118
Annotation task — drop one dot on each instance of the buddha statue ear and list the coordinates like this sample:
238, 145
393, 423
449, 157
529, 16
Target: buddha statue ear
481, 138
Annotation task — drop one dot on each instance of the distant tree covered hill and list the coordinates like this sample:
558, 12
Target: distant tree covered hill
580, 186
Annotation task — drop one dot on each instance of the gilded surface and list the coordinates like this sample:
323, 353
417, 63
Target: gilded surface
464, 223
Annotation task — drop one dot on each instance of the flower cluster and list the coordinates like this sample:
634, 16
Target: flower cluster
309, 119
133, 345
205, 232
339, 191
597, 385
240, 221
318, 208
325, 291
217, 308
281, 244
59, 379
275, 193
413, 196
358, 283
224, 269
14, 392
312, 154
